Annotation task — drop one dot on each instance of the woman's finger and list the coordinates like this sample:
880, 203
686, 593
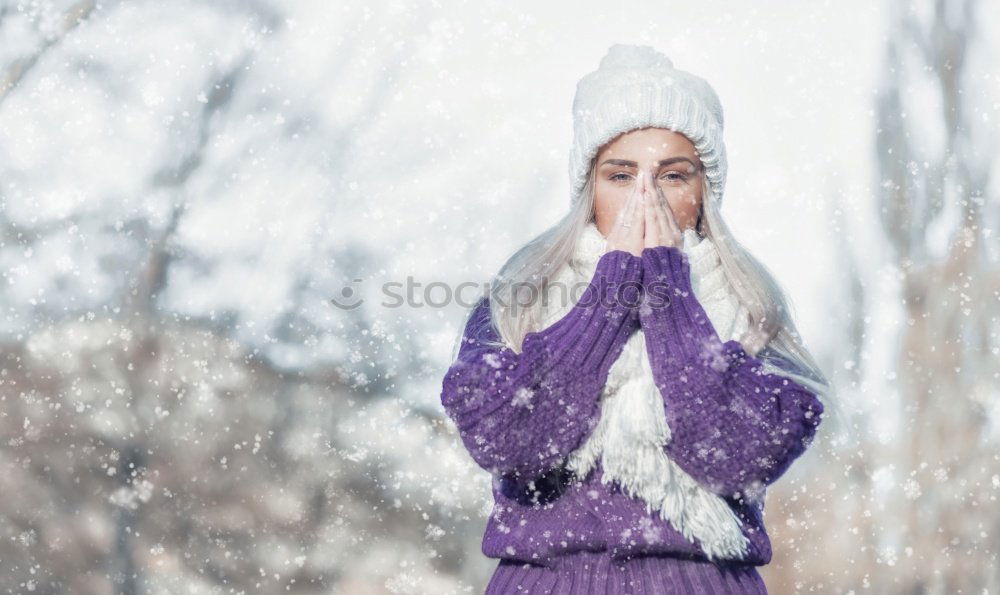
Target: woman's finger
639, 217
623, 215
671, 229
662, 214
653, 236
622, 232
631, 205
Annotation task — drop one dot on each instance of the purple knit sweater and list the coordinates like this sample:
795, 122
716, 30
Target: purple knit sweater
734, 428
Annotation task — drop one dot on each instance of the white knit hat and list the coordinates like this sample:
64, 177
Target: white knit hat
636, 86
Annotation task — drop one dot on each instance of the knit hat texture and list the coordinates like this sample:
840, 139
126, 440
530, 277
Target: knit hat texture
635, 86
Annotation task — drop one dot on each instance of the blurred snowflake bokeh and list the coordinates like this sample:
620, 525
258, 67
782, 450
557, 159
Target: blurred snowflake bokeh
190, 192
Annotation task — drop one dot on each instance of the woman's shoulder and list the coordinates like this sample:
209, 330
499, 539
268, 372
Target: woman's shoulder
480, 311
479, 327
778, 361
782, 361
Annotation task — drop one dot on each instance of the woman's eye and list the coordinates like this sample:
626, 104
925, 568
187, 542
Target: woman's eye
674, 176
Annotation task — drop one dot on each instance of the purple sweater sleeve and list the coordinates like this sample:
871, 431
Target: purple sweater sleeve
523, 413
732, 426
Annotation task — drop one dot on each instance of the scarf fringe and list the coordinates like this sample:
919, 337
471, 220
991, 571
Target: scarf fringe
631, 436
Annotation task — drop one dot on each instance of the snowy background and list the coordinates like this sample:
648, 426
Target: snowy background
185, 186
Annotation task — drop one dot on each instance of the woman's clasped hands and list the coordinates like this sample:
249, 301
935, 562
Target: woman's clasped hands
645, 221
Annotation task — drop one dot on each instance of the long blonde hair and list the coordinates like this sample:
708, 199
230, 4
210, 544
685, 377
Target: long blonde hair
530, 268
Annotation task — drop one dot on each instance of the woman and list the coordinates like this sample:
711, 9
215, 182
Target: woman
632, 430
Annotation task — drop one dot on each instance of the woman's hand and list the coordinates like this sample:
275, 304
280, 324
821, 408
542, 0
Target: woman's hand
660, 226
629, 227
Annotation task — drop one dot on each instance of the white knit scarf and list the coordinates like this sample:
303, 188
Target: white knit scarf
632, 432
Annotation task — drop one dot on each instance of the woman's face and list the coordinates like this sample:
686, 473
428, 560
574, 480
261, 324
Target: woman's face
668, 155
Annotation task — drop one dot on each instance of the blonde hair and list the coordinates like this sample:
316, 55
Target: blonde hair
531, 267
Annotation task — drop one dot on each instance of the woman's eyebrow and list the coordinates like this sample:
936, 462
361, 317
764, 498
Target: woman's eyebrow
626, 163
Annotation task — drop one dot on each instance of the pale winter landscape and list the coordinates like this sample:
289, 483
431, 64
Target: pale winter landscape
190, 194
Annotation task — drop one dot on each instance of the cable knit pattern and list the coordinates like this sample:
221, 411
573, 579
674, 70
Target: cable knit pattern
733, 428
736, 428
636, 86
630, 437
522, 412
